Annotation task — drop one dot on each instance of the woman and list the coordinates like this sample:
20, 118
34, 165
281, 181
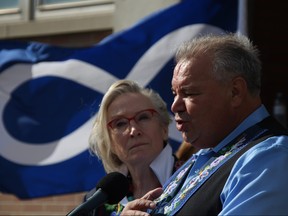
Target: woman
130, 136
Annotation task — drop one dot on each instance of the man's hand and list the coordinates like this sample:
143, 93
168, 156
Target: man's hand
140, 206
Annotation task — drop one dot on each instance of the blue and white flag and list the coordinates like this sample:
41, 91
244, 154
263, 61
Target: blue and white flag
49, 95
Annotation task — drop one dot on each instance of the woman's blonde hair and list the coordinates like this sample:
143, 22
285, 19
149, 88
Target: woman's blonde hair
99, 140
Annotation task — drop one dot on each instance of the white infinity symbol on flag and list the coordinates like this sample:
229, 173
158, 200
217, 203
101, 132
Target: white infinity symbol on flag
75, 143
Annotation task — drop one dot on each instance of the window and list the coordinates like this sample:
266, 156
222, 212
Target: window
8, 6
62, 4
21, 18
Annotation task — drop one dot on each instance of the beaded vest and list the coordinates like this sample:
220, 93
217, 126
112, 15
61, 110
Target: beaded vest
201, 195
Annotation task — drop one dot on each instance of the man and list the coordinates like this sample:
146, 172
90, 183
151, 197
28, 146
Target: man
241, 168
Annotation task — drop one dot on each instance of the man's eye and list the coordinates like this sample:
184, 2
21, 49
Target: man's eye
191, 94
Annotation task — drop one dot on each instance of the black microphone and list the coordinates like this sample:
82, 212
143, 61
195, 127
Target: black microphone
111, 189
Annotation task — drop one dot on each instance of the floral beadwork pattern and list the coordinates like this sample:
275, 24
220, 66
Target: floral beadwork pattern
173, 184
198, 178
175, 194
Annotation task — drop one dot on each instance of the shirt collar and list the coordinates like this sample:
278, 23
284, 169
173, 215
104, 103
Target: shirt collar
258, 115
163, 164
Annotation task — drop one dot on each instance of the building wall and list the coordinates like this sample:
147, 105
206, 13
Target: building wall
46, 206
130, 11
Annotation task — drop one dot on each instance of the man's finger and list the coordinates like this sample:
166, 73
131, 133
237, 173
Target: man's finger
152, 195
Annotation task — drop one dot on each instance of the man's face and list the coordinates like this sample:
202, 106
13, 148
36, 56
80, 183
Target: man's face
202, 104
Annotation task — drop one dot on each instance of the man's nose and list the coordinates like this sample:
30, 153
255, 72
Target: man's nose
178, 104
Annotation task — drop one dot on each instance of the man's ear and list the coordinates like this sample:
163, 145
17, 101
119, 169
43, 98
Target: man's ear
239, 90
